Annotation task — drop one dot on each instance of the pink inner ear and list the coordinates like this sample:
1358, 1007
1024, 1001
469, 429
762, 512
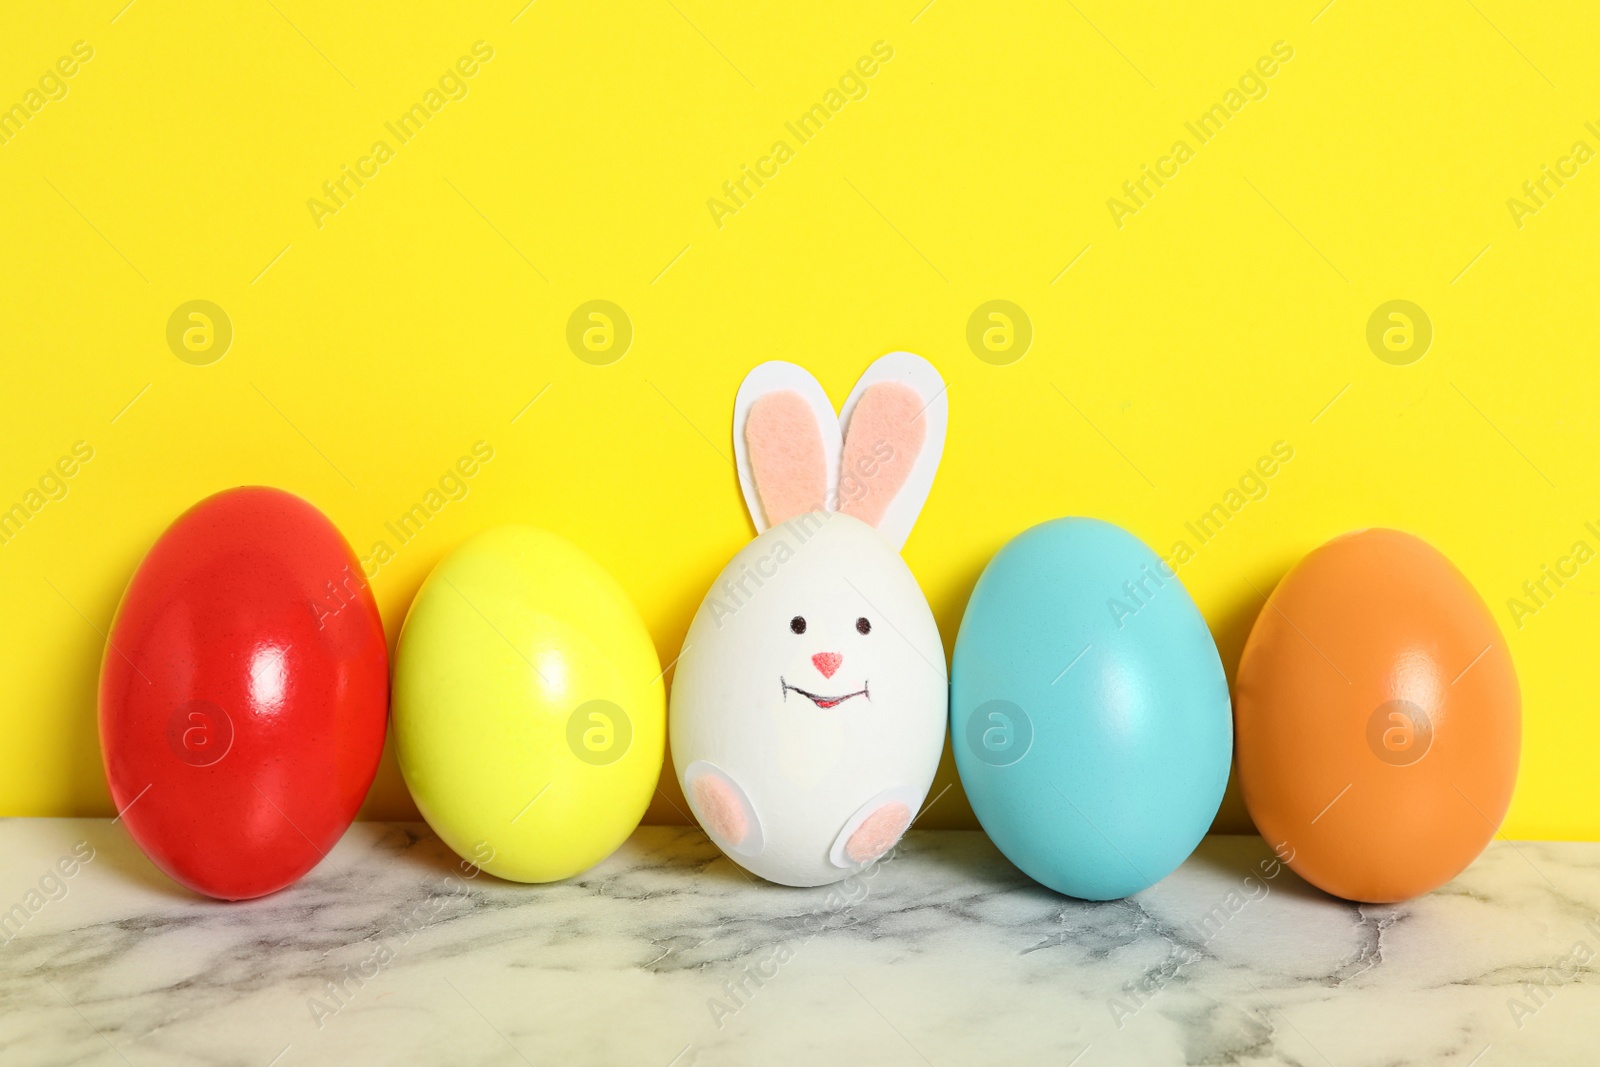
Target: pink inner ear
786, 455
886, 432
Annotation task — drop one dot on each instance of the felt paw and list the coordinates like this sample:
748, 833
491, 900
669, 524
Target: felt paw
720, 808
878, 834
724, 809
875, 828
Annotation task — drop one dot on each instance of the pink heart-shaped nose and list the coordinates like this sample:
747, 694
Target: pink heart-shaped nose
827, 662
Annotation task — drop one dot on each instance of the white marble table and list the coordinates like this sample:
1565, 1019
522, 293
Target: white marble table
667, 954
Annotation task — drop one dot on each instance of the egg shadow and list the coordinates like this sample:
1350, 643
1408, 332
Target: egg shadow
115, 849
668, 806
1230, 630
1248, 856
946, 804
676, 851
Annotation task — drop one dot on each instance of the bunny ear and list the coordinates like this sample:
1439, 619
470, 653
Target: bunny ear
786, 443
793, 455
895, 423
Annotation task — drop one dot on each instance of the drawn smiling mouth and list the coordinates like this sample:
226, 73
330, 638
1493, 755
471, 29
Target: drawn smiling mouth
824, 702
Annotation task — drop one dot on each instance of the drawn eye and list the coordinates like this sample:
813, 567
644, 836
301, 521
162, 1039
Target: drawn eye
798, 624
863, 626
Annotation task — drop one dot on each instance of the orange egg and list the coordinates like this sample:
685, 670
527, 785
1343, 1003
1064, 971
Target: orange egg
1378, 719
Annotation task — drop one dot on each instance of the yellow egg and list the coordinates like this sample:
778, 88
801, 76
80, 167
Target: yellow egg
529, 712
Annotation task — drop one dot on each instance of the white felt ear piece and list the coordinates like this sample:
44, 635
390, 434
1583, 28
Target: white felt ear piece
779, 476
890, 431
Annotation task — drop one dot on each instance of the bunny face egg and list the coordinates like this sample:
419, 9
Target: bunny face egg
813, 677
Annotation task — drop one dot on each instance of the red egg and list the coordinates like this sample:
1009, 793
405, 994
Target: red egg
244, 694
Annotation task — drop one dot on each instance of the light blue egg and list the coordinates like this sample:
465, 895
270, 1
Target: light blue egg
1089, 713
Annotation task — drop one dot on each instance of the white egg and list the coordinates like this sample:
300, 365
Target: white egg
809, 706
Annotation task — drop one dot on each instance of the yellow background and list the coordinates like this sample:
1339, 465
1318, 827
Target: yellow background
424, 316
